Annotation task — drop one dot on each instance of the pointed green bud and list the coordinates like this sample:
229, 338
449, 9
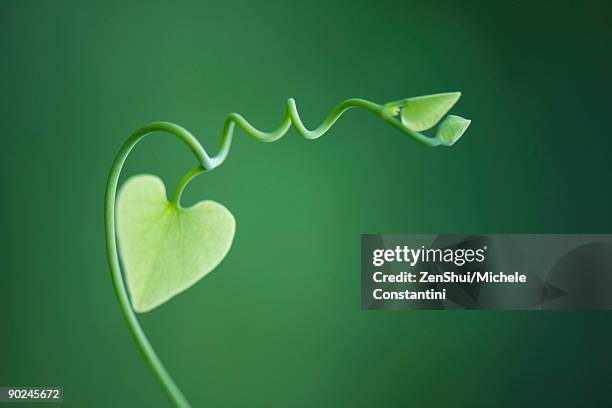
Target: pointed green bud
451, 129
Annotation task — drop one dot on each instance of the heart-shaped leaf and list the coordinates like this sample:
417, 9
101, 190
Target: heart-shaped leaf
451, 129
166, 249
423, 112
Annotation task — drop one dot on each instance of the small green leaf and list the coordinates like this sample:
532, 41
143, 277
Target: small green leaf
166, 249
451, 129
423, 112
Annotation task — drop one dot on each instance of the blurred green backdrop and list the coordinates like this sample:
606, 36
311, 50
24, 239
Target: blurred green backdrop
279, 323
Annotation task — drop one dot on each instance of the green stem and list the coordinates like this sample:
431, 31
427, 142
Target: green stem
113, 258
191, 174
206, 163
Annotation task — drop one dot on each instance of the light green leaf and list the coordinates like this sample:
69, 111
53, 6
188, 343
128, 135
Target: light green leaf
166, 249
451, 129
423, 112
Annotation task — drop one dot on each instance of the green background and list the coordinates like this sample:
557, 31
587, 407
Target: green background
279, 322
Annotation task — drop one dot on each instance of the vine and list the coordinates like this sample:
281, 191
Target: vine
387, 112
